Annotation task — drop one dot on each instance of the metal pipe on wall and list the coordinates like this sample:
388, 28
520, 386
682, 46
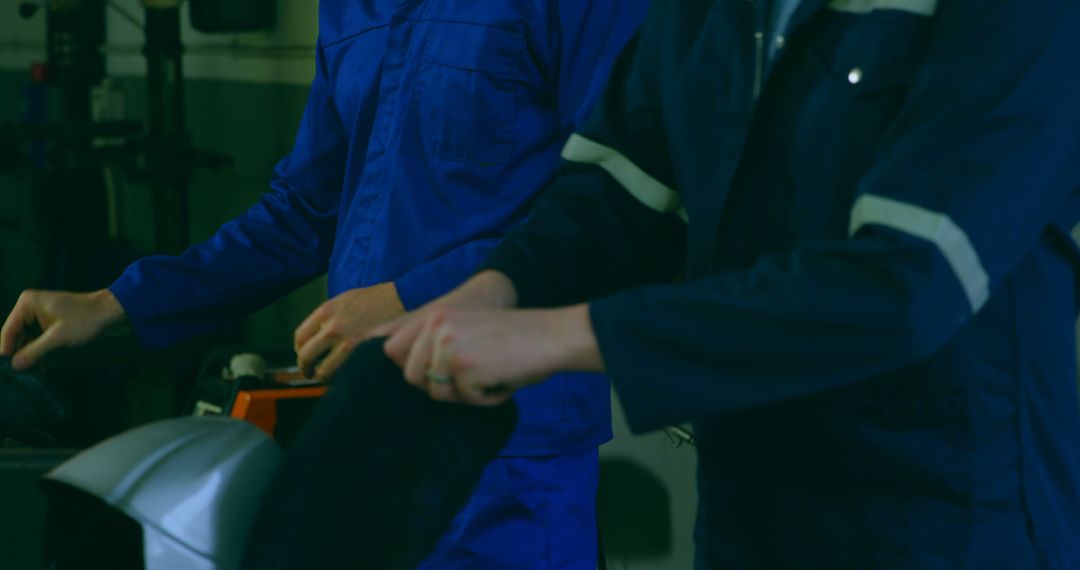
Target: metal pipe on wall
168, 142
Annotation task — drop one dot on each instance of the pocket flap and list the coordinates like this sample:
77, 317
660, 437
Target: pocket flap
878, 52
474, 47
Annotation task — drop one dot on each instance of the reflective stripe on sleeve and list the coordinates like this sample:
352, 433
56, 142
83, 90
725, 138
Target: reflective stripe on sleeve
934, 227
637, 182
918, 7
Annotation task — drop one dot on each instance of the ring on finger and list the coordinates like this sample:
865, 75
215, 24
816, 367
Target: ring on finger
438, 377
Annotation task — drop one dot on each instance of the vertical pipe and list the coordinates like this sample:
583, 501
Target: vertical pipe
75, 34
69, 197
168, 152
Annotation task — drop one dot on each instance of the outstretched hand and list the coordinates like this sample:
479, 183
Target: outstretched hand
43, 321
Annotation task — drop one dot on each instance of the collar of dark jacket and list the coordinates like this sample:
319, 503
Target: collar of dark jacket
807, 9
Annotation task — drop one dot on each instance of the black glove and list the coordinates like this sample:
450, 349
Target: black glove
376, 476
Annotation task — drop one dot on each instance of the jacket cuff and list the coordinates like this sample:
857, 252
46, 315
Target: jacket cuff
417, 287
529, 287
137, 308
640, 391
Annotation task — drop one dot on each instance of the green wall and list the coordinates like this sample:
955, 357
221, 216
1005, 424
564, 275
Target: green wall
254, 123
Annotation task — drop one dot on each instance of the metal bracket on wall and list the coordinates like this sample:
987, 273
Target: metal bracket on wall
680, 436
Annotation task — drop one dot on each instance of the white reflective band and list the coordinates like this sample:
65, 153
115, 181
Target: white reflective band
934, 227
637, 182
920, 7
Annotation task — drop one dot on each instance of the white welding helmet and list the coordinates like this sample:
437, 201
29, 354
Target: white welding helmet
193, 484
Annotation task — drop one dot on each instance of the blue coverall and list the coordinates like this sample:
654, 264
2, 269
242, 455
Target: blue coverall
429, 128
851, 269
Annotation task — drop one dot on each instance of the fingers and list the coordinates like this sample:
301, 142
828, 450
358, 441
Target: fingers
309, 328
401, 342
441, 365
30, 354
419, 356
333, 361
426, 346
307, 356
11, 335
477, 393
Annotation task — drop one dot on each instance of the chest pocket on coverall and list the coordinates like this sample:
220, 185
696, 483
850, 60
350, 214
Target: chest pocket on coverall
860, 74
464, 97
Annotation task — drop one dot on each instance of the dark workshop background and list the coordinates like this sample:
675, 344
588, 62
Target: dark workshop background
245, 94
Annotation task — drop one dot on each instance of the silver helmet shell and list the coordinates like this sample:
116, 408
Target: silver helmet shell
194, 484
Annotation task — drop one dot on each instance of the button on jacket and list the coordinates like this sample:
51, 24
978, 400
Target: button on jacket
429, 128
850, 268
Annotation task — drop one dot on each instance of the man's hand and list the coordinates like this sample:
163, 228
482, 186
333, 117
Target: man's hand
486, 290
45, 320
482, 356
333, 330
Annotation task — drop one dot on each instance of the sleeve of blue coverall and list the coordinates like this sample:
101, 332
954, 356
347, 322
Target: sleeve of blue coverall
277, 245
581, 47
966, 179
587, 236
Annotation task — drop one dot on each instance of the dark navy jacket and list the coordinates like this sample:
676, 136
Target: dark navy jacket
852, 270
429, 128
